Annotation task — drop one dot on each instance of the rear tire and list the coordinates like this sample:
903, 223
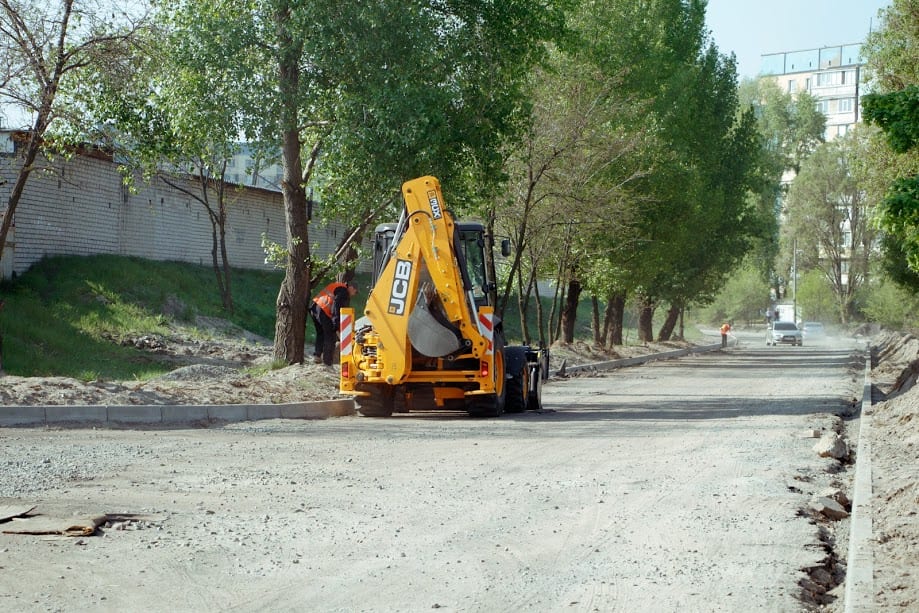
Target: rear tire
380, 402
491, 405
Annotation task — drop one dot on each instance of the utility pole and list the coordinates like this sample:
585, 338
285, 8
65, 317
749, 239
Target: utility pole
794, 283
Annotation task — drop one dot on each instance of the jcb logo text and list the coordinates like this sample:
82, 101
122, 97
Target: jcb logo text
399, 293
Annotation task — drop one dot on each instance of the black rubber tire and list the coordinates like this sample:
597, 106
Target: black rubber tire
534, 400
518, 391
491, 405
380, 402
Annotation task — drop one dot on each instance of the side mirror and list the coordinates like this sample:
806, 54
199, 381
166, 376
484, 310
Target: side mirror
505, 247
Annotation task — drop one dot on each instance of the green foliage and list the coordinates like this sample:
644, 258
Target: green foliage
892, 57
67, 316
829, 218
899, 218
897, 113
744, 297
816, 301
891, 305
891, 51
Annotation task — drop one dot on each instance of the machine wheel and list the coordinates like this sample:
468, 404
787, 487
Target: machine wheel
518, 390
380, 402
491, 405
534, 401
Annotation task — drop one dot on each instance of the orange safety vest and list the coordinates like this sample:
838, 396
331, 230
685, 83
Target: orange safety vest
725, 329
326, 298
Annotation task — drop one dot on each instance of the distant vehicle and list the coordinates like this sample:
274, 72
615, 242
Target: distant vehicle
785, 312
784, 332
813, 330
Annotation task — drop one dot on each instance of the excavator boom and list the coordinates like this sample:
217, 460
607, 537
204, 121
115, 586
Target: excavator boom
428, 329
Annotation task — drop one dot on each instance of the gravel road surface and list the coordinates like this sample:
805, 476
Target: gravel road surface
680, 485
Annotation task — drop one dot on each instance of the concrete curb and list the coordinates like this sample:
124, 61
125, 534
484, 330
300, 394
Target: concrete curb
190, 414
859, 595
614, 364
171, 413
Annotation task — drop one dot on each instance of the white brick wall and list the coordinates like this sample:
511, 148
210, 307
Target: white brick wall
80, 207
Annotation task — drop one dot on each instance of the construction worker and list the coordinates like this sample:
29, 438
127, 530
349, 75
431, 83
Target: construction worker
725, 329
325, 310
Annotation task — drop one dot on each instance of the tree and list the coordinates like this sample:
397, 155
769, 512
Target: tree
829, 219
172, 119
45, 49
891, 166
743, 297
897, 114
373, 93
688, 168
579, 157
816, 298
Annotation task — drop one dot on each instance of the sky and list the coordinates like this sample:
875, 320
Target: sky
751, 28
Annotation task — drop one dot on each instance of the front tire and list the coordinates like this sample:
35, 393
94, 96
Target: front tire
518, 390
534, 402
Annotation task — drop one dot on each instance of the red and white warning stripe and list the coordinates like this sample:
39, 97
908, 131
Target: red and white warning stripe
487, 330
346, 332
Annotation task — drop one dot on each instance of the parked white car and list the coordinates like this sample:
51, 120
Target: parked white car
813, 330
784, 332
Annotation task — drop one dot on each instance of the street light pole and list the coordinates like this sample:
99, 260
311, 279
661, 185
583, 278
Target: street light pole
794, 283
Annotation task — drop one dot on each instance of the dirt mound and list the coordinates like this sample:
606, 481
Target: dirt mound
896, 363
894, 436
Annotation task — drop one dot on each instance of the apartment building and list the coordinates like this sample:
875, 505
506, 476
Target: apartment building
830, 74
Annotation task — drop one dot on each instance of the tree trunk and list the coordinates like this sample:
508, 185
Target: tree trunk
294, 294
599, 340
645, 319
615, 312
523, 298
554, 318
570, 311
666, 331
540, 314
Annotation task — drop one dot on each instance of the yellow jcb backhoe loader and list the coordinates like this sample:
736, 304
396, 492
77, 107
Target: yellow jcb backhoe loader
429, 337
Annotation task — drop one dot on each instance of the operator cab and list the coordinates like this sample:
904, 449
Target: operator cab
471, 244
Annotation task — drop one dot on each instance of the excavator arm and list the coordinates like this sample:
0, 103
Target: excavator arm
423, 298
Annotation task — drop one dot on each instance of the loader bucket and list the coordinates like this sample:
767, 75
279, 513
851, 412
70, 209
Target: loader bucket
430, 336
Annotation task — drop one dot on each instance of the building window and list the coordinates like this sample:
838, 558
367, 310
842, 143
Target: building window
792, 86
842, 129
845, 105
825, 79
823, 106
807, 84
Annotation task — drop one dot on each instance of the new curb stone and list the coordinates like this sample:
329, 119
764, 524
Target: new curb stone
171, 414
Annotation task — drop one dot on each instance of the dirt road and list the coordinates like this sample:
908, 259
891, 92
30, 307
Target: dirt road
675, 486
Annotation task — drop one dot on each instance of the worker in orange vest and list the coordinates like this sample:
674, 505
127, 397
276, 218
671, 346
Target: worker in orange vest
325, 311
725, 328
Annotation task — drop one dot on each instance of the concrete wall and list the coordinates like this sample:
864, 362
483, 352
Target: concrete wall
81, 207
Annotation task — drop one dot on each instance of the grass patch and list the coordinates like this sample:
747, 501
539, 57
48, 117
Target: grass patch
68, 315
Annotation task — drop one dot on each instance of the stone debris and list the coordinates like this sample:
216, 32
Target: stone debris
832, 446
828, 508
